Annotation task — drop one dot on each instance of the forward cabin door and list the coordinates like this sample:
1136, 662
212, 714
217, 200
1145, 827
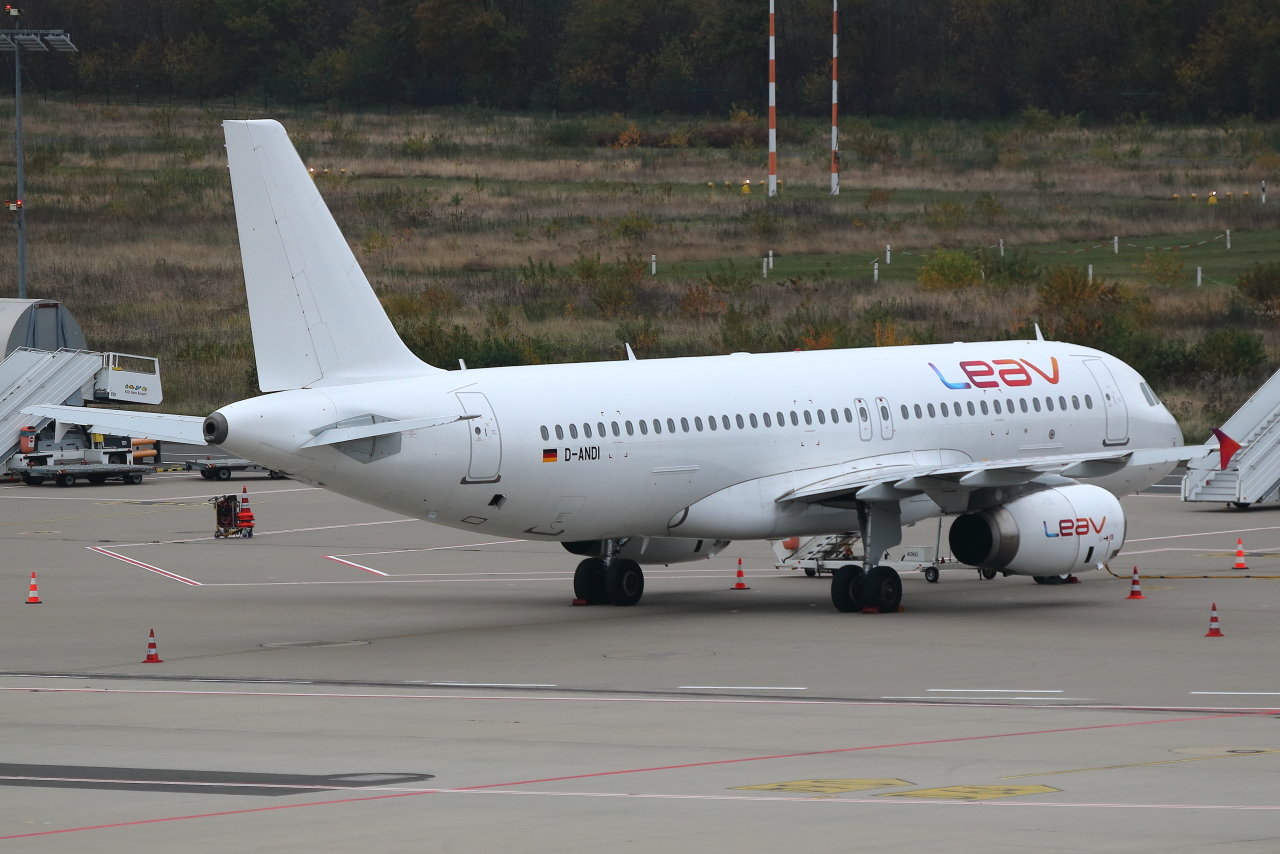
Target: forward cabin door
486, 442
864, 419
1112, 403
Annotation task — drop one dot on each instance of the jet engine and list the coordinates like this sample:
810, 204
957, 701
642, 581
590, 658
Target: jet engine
1053, 532
657, 550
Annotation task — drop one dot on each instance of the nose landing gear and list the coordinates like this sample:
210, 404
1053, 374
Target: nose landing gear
615, 581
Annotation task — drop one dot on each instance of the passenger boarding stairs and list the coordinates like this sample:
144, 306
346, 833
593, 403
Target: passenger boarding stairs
40, 377
818, 552
1253, 474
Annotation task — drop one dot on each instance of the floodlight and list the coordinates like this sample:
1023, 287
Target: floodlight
60, 42
6, 44
30, 41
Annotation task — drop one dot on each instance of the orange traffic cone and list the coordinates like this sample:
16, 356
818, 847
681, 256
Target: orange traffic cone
1215, 630
244, 519
1240, 554
33, 595
742, 584
1135, 587
153, 654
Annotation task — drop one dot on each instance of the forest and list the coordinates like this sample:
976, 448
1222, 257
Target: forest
1103, 60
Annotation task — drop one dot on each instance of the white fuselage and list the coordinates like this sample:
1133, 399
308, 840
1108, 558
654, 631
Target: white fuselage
501, 474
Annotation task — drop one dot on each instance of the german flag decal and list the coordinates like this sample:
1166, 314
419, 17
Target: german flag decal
550, 455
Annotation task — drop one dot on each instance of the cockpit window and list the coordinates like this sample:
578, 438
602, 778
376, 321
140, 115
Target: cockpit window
1149, 395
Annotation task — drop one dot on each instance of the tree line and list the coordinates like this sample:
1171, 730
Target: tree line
958, 59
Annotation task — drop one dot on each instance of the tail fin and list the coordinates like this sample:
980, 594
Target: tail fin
315, 319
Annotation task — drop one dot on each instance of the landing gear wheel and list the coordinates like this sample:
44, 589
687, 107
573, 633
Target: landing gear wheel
811, 572
624, 582
847, 589
223, 474
67, 479
883, 590
1040, 579
987, 574
588, 581
931, 574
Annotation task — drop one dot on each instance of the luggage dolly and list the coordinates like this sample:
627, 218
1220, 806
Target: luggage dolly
234, 518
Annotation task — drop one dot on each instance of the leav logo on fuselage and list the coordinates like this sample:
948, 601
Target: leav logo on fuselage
1011, 372
1075, 527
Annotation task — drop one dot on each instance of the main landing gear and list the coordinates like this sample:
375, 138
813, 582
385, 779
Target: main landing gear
876, 592
617, 582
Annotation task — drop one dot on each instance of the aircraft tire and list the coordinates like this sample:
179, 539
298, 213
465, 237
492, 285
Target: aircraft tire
588, 581
883, 590
931, 574
987, 574
624, 582
847, 589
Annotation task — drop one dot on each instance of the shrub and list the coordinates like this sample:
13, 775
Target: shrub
728, 280
1164, 269
571, 134
950, 269
1232, 352
1262, 285
1014, 269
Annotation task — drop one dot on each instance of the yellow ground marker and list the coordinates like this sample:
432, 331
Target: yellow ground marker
828, 787
972, 793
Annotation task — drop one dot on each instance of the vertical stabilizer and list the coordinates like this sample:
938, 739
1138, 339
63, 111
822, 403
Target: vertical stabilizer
315, 319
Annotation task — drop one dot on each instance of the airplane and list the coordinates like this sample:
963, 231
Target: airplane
633, 463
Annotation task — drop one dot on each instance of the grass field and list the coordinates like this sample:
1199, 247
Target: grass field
504, 238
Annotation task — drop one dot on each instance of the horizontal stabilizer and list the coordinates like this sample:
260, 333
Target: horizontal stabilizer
188, 429
334, 435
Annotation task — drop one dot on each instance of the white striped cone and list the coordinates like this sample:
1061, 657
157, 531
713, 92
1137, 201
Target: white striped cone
1240, 564
153, 654
1135, 587
741, 583
1215, 630
33, 595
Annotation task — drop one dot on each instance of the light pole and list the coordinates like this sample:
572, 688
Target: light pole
40, 41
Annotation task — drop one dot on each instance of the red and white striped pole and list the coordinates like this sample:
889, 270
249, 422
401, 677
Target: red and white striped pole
835, 99
773, 113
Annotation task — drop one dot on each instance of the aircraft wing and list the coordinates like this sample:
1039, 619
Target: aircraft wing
893, 482
188, 429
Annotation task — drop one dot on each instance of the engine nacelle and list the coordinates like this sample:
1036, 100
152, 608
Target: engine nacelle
1054, 532
660, 550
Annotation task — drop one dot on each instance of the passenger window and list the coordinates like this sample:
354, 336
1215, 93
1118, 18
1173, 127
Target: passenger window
711, 422
983, 404
1022, 402
630, 430
697, 423
848, 416
546, 435
862, 413
671, 426
684, 424
932, 413
1035, 404
600, 428
1088, 402
614, 425
835, 417
755, 425
905, 413
559, 432
657, 427
794, 420
1062, 403
884, 413
644, 428
738, 418
970, 405
919, 413
1075, 402
958, 410
995, 404
767, 422
1048, 403
808, 419
945, 413
822, 418
782, 420
724, 421
573, 431
586, 430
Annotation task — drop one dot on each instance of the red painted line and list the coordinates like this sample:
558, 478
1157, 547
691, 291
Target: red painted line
145, 566
607, 774
336, 559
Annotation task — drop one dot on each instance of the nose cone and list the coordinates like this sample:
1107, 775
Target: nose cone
269, 430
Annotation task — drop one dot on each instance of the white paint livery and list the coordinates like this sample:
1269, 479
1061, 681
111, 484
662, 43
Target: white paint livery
656, 461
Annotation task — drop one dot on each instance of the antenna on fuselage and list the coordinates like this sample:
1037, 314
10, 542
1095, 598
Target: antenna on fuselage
631, 356
1039, 334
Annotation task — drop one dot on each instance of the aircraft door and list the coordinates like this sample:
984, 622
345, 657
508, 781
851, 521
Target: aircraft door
864, 419
886, 418
486, 442
1112, 403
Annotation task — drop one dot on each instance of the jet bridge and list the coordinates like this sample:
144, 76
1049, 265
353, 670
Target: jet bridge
1252, 474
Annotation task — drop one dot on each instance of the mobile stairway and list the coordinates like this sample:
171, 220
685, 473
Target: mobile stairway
1252, 476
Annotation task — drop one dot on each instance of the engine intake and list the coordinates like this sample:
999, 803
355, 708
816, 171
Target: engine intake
1053, 532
